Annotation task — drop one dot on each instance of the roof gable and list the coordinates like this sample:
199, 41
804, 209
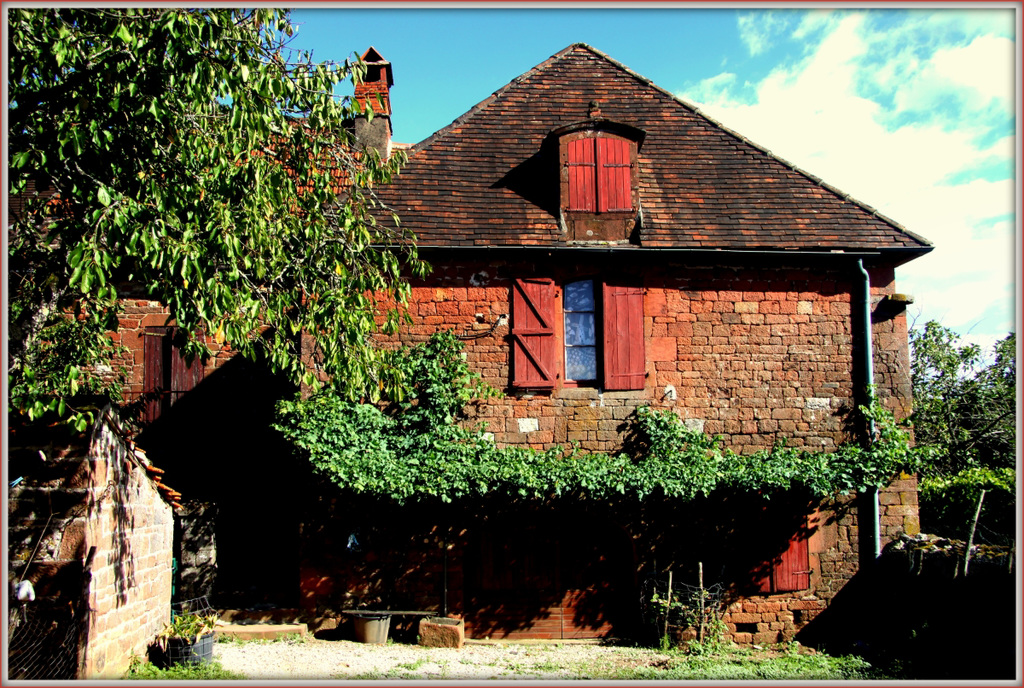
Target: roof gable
491, 177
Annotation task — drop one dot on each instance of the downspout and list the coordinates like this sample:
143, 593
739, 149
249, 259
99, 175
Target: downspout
868, 366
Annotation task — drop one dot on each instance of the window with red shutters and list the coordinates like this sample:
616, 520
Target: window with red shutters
600, 175
790, 571
167, 377
534, 361
602, 325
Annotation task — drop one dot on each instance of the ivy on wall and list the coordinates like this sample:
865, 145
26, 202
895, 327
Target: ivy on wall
423, 447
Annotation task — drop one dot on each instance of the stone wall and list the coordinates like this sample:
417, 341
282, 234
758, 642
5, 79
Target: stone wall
750, 353
107, 548
755, 354
137, 315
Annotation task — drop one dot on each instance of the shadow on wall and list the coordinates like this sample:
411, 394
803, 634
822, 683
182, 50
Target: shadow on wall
917, 621
562, 568
507, 566
216, 446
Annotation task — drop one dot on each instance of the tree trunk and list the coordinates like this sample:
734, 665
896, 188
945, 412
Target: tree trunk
970, 535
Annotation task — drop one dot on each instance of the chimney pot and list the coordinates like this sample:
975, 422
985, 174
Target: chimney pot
374, 91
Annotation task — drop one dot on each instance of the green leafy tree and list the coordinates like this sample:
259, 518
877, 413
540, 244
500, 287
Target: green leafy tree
965, 413
191, 155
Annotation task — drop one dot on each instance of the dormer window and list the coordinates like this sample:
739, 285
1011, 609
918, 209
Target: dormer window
599, 180
600, 174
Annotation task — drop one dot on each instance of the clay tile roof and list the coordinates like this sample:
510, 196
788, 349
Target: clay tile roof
487, 179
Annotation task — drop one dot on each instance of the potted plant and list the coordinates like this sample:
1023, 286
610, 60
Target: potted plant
188, 638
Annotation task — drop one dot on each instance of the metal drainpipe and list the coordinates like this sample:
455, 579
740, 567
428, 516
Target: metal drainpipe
869, 379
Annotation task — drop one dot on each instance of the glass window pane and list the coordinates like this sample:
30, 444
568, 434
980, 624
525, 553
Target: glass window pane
579, 329
579, 296
581, 363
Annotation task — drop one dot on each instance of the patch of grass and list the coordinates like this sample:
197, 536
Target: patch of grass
366, 676
732, 664
547, 667
290, 638
205, 671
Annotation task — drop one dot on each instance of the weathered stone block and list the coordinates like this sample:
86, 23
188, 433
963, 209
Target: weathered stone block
442, 632
741, 617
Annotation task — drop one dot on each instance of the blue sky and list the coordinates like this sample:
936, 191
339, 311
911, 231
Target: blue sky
911, 111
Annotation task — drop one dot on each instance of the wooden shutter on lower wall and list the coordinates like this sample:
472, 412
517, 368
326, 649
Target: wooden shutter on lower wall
625, 363
791, 571
534, 356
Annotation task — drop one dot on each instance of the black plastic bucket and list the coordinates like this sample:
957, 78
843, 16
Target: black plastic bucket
372, 628
190, 651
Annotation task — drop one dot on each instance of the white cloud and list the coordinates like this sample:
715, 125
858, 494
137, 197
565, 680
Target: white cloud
759, 30
904, 119
971, 78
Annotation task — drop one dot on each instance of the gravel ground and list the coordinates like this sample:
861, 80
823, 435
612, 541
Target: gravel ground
342, 659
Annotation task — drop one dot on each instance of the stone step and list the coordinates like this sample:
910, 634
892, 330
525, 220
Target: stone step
276, 615
259, 631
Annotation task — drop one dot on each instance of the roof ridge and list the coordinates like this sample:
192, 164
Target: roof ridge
561, 54
814, 179
468, 114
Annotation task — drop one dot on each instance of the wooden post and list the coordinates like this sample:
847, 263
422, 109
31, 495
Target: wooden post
700, 585
668, 604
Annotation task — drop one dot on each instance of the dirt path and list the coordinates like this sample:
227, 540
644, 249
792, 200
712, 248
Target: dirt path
313, 659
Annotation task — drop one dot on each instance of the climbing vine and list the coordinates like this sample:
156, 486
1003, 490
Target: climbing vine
424, 446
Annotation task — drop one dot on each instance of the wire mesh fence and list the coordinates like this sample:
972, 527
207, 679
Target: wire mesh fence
196, 605
43, 641
669, 603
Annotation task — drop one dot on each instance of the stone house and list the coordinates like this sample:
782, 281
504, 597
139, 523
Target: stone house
599, 245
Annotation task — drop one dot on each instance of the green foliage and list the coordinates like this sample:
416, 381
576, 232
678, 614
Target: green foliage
965, 419
188, 626
948, 503
67, 374
737, 664
197, 158
964, 404
203, 671
422, 447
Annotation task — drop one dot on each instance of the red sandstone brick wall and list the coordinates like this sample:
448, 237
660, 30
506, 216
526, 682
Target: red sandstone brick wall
139, 314
753, 354
133, 531
103, 504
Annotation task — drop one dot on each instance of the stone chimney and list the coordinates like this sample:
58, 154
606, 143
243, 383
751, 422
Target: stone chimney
374, 91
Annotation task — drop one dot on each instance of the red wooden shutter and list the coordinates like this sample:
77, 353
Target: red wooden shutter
582, 175
153, 371
614, 179
184, 377
533, 333
166, 377
624, 360
792, 572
